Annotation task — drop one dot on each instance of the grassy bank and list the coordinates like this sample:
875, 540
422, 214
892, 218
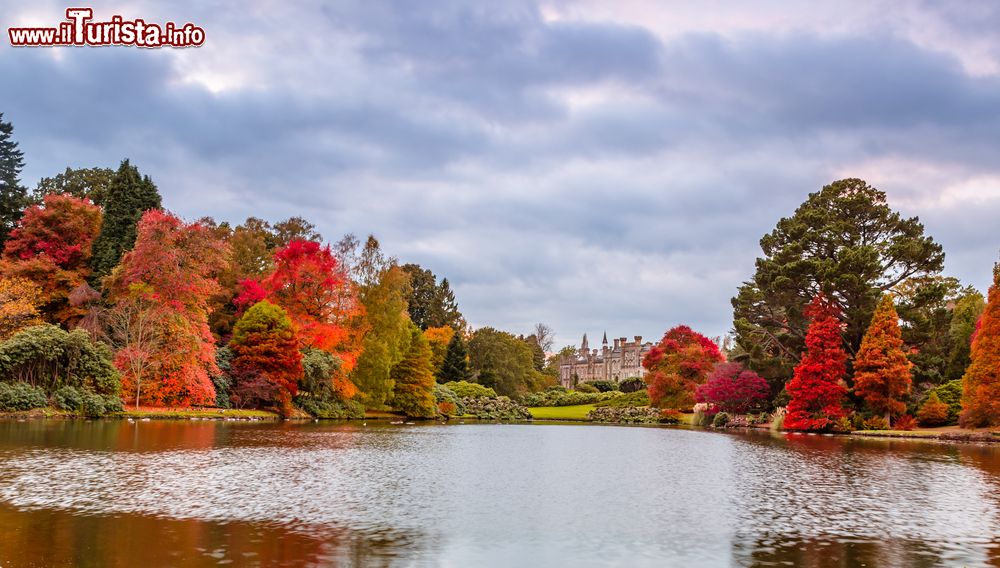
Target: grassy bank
188, 413
576, 413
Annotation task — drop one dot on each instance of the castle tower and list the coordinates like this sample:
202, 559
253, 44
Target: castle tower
584, 346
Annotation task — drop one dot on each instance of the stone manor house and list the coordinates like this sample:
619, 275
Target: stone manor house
616, 363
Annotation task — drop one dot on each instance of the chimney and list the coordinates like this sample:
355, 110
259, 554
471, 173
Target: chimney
617, 342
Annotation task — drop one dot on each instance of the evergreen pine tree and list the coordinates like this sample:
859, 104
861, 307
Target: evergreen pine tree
129, 196
456, 361
13, 196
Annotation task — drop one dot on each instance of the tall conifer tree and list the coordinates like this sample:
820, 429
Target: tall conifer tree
816, 389
13, 196
881, 369
129, 196
456, 361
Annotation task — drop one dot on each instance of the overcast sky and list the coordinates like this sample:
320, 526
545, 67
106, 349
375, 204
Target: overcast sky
592, 165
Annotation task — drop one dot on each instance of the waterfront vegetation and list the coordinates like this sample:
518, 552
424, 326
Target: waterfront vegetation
112, 306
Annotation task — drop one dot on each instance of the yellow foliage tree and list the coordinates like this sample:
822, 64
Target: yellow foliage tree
438, 337
19, 302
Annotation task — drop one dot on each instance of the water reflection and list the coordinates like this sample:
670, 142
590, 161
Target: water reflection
209, 493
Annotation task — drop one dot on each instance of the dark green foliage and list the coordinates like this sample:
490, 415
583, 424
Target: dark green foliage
925, 306
965, 314
634, 384
604, 385
465, 389
318, 367
503, 359
129, 195
720, 420
13, 196
223, 381
330, 409
843, 241
456, 361
587, 387
413, 379
68, 398
431, 304
49, 357
89, 183
570, 398
627, 415
15, 397
93, 405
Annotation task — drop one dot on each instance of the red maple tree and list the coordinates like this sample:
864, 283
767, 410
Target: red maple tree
264, 343
677, 365
817, 389
981, 382
731, 388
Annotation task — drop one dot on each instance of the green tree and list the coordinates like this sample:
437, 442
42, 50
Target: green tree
845, 242
387, 337
502, 361
413, 379
129, 196
13, 195
89, 183
431, 304
965, 314
456, 361
926, 305
292, 229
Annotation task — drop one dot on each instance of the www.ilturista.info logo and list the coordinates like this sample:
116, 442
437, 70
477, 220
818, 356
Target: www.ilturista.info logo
78, 29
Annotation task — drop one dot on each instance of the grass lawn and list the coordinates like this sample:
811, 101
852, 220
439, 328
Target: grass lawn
144, 412
578, 412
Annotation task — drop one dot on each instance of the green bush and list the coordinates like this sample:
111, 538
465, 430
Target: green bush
604, 385
465, 389
637, 398
50, 357
443, 394
93, 405
627, 415
68, 398
498, 408
635, 384
950, 393
16, 397
720, 420
586, 388
330, 409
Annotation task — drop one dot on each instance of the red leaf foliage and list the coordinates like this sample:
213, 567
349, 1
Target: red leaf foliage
731, 388
817, 389
677, 365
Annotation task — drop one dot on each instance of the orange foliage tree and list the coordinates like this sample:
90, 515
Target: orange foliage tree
817, 388
438, 338
264, 344
51, 246
981, 383
19, 301
175, 263
676, 366
881, 369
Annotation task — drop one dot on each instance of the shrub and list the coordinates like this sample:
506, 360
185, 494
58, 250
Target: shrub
16, 397
68, 398
950, 393
625, 415
330, 409
586, 388
635, 384
498, 408
604, 385
720, 420
670, 415
905, 422
933, 412
448, 403
875, 423
465, 389
637, 398
571, 398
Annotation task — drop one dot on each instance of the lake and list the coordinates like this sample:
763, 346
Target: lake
203, 493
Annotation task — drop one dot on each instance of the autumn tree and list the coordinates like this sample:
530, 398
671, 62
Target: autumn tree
264, 344
676, 365
732, 388
881, 369
933, 412
135, 328
12, 194
817, 388
129, 195
51, 246
387, 335
19, 302
844, 241
413, 379
981, 383
455, 366
438, 338
177, 264
82, 183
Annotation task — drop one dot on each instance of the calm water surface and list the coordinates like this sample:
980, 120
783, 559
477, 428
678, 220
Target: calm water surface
184, 494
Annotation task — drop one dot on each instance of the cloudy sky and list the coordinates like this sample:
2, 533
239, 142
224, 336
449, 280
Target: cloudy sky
592, 165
